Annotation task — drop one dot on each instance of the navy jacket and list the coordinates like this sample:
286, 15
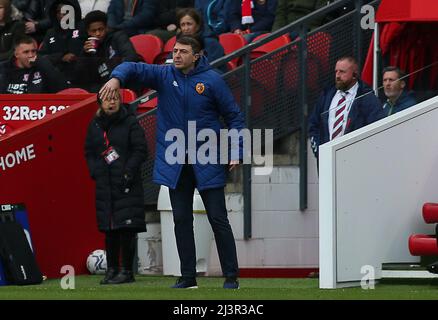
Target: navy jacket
214, 13
142, 20
263, 14
365, 109
201, 96
406, 100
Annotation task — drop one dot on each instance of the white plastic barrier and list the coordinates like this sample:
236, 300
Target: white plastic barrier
149, 252
373, 184
202, 230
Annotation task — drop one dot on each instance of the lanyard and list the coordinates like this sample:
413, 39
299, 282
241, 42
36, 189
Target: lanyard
105, 137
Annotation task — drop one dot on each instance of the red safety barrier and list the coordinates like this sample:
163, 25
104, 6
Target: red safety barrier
423, 245
430, 212
42, 165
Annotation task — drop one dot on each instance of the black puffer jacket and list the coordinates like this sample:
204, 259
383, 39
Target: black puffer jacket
115, 209
8, 34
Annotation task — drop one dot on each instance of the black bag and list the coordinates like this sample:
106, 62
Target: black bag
17, 258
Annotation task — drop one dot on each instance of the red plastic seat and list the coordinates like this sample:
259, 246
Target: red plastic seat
430, 212
148, 105
148, 46
318, 45
168, 48
127, 95
423, 245
290, 72
73, 91
232, 42
270, 46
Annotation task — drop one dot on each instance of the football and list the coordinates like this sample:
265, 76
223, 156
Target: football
96, 262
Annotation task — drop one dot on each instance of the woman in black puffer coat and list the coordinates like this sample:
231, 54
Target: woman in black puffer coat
115, 148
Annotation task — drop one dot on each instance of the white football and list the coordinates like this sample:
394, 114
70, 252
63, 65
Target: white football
96, 262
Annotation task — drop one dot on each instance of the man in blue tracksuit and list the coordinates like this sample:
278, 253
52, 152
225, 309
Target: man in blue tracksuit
190, 93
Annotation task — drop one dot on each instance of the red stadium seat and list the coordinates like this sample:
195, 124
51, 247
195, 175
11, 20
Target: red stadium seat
270, 46
318, 44
430, 212
422, 245
73, 91
168, 48
232, 42
148, 46
148, 105
127, 95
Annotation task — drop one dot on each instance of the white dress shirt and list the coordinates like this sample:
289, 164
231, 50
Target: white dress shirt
350, 96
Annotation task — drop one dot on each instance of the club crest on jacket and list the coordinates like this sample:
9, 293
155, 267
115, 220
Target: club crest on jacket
200, 88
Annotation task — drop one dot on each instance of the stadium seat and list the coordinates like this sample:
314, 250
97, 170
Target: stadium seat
148, 46
318, 45
168, 48
127, 95
232, 42
422, 244
73, 91
148, 105
270, 46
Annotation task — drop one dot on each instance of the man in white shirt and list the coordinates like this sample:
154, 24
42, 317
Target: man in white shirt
345, 107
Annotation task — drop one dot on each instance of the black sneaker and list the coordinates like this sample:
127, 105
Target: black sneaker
231, 283
185, 283
124, 276
110, 274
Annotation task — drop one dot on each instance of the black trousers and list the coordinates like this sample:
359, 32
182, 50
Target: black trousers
181, 199
120, 243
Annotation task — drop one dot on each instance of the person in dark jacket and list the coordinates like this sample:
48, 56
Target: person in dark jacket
63, 44
343, 108
136, 17
115, 148
190, 92
26, 72
289, 11
36, 17
263, 15
94, 68
9, 30
166, 23
394, 86
215, 14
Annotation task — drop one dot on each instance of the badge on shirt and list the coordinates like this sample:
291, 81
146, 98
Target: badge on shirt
200, 88
110, 155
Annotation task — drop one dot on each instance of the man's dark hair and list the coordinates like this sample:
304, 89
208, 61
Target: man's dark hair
95, 16
193, 41
23, 39
400, 73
